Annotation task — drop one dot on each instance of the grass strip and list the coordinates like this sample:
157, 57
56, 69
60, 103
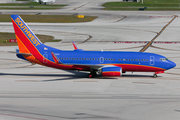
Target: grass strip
162, 5
6, 36
29, 6
49, 18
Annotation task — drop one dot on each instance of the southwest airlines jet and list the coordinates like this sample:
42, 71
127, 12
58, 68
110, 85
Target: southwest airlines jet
105, 63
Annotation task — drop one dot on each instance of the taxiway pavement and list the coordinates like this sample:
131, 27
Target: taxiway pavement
35, 92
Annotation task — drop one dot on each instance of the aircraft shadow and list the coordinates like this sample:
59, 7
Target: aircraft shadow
74, 76
61, 76
138, 76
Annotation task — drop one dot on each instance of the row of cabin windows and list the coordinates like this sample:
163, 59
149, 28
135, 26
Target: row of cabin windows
133, 60
79, 58
107, 59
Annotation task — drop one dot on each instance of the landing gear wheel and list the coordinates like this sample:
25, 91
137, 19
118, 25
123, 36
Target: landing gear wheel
155, 75
92, 74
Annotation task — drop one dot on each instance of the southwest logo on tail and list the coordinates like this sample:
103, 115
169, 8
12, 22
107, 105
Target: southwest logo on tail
105, 63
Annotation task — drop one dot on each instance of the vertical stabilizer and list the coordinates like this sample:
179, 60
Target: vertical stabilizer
30, 47
27, 40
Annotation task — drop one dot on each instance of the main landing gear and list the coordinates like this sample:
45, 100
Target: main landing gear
92, 74
155, 75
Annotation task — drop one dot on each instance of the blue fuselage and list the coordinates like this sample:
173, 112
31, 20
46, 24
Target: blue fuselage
129, 61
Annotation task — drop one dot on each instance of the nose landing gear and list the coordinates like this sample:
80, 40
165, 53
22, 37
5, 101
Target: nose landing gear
158, 72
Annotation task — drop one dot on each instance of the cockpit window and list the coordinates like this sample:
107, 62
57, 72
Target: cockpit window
163, 59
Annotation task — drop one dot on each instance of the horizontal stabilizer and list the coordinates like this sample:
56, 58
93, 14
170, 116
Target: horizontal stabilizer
28, 54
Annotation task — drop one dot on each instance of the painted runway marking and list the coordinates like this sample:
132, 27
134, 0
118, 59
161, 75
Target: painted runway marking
160, 16
150, 43
85, 81
145, 42
22, 116
143, 83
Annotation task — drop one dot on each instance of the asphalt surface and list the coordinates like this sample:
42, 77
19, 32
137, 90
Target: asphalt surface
30, 92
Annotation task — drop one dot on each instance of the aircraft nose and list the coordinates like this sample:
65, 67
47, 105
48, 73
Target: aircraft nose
172, 64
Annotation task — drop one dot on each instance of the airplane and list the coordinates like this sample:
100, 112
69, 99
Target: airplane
44, 1
98, 63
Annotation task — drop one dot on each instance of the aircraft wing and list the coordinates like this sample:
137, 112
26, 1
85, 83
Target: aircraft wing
92, 66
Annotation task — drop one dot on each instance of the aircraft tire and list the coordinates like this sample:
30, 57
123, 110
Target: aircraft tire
155, 75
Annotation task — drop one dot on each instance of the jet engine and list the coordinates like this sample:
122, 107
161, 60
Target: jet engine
111, 71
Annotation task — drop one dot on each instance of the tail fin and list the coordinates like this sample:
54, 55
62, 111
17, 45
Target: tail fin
30, 47
27, 40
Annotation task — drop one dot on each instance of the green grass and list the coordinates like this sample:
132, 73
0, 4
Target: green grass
30, 5
49, 18
150, 4
7, 36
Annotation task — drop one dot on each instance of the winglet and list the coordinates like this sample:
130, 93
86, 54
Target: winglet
75, 46
56, 59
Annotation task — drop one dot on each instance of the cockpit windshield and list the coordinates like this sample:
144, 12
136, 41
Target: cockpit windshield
163, 59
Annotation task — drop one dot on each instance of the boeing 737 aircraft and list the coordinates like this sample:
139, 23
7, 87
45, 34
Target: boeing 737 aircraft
105, 63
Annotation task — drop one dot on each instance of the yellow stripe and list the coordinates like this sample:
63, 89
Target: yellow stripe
147, 45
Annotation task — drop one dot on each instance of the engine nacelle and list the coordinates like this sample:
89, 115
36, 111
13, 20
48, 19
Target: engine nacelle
111, 71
